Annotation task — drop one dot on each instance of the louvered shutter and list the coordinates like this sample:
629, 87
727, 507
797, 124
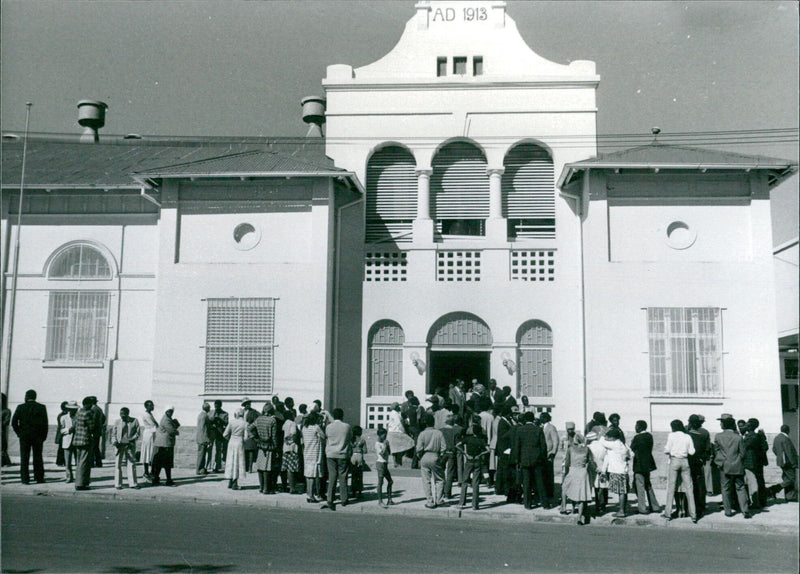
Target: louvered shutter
535, 360
529, 192
386, 360
459, 184
239, 345
391, 195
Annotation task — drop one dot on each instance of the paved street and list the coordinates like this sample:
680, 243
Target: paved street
82, 534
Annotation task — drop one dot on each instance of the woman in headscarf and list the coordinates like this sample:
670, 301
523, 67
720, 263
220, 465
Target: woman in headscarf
399, 441
234, 463
617, 464
313, 447
149, 426
577, 484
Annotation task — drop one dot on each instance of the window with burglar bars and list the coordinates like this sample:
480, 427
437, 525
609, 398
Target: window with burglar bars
240, 346
77, 326
79, 261
685, 348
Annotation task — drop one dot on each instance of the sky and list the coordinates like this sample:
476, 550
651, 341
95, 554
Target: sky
240, 68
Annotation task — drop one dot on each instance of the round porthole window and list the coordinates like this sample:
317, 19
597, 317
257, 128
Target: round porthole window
680, 236
246, 236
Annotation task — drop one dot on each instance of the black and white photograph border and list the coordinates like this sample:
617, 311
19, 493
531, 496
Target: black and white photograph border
350, 285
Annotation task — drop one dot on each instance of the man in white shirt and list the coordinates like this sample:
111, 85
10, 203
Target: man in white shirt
678, 448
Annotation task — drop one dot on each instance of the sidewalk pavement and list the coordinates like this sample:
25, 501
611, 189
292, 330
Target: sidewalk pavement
778, 517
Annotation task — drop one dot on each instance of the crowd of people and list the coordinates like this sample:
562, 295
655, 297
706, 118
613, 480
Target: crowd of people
470, 434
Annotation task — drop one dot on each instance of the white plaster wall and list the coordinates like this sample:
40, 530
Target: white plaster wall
639, 232
618, 292
130, 346
787, 294
520, 97
289, 264
285, 238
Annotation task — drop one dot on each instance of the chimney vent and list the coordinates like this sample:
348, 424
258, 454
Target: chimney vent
92, 116
314, 115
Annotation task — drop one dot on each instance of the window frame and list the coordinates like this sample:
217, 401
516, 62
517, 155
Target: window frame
65, 251
73, 316
683, 340
535, 340
215, 347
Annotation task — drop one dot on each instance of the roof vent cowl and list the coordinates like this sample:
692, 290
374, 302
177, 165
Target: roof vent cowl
92, 116
314, 115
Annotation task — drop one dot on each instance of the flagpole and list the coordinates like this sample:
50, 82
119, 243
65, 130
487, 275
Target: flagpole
13, 299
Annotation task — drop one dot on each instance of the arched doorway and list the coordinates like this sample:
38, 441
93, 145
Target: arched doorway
460, 346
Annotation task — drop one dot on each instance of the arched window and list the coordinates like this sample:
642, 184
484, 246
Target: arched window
79, 261
77, 324
529, 192
391, 195
535, 354
460, 190
386, 340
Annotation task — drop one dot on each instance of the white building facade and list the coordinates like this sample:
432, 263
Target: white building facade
478, 266
465, 228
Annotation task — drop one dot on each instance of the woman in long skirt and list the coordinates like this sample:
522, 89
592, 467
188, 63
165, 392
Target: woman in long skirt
234, 463
149, 426
577, 485
313, 447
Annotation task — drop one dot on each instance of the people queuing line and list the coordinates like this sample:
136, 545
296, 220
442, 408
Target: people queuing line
470, 434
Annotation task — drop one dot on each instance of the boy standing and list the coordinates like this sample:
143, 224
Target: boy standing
382, 452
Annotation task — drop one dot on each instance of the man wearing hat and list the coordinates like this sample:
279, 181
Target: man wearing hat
66, 426
30, 424
729, 449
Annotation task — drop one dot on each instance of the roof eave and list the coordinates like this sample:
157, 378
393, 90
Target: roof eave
572, 169
148, 179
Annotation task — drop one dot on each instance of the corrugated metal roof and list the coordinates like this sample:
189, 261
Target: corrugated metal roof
673, 157
240, 163
54, 163
657, 153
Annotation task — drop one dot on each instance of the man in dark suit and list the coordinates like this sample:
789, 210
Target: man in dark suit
643, 465
30, 424
529, 453
99, 421
786, 459
754, 460
729, 450
697, 462
505, 434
